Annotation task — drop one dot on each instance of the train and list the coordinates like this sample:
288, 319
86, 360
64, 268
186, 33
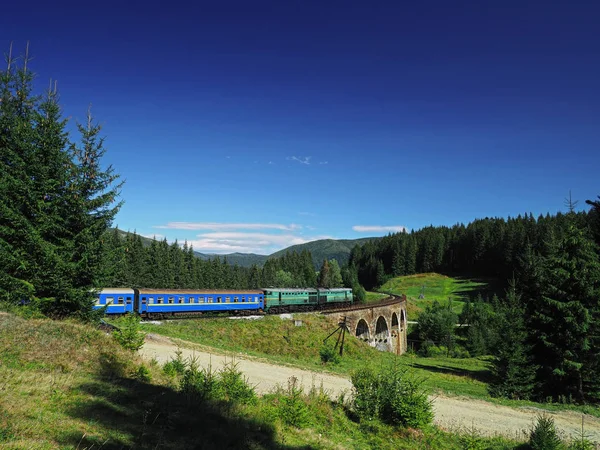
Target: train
163, 303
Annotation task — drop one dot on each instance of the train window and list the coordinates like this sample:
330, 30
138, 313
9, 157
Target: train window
150, 299
243, 299
227, 299
200, 299
191, 300
160, 300
218, 299
210, 299
236, 299
181, 300
109, 300
120, 300
171, 300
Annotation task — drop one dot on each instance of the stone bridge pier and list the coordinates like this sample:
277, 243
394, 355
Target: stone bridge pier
382, 325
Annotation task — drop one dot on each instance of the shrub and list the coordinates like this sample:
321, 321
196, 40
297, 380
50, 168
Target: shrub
367, 388
292, 407
199, 384
544, 435
234, 386
176, 366
129, 335
582, 442
359, 293
404, 400
437, 323
471, 440
329, 355
142, 373
460, 352
393, 395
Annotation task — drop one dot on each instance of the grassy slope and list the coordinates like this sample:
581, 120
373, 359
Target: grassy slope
374, 297
66, 385
280, 341
437, 287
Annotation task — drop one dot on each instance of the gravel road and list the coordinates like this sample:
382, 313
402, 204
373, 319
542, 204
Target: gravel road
451, 413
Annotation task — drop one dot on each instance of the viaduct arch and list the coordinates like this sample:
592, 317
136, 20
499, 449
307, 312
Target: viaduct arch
382, 325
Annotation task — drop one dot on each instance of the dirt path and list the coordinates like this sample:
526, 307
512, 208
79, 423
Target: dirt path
451, 413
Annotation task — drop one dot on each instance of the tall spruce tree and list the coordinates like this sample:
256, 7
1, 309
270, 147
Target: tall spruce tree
324, 275
20, 242
513, 371
92, 201
566, 314
335, 274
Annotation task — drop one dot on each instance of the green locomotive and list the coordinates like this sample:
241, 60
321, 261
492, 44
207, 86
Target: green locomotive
305, 299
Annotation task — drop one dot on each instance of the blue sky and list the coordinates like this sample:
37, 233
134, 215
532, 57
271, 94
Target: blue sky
251, 126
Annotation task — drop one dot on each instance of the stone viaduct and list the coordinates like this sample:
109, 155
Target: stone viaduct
382, 325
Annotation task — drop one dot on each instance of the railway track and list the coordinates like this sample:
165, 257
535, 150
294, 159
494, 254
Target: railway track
391, 300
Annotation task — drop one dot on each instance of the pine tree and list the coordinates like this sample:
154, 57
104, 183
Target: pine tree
324, 280
335, 274
254, 281
567, 313
92, 205
594, 218
411, 255
21, 244
398, 260
114, 260
513, 372
381, 278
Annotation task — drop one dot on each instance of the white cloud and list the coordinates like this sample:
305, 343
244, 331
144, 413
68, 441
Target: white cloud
302, 160
228, 226
262, 243
323, 162
378, 228
153, 236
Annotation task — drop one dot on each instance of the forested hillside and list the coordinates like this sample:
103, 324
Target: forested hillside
127, 261
490, 247
338, 249
544, 332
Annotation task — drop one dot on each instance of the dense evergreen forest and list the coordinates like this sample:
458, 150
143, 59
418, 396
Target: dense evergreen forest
544, 332
127, 262
490, 247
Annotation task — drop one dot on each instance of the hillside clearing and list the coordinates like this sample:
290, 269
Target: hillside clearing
434, 287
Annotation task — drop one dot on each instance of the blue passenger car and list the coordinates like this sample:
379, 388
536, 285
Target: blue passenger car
116, 300
161, 301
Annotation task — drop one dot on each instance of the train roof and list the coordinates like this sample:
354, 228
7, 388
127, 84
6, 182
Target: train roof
116, 291
335, 289
202, 291
289, 289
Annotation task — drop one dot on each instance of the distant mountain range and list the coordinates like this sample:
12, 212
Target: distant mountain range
338, 249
